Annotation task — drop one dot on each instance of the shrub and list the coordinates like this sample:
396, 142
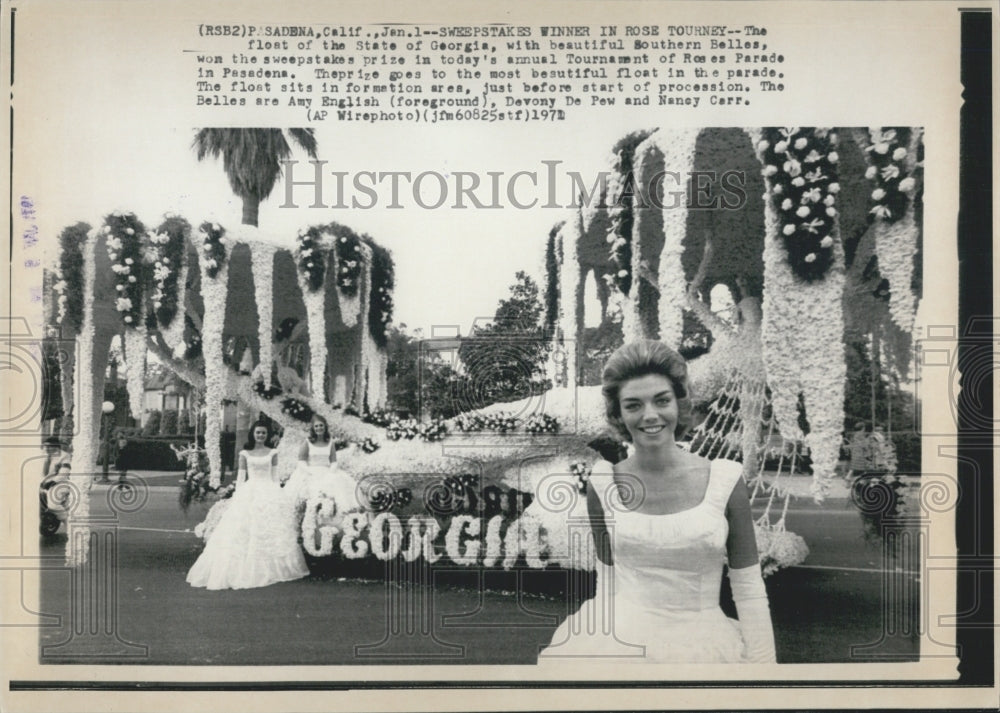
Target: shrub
907, 452
168, 423
152, 425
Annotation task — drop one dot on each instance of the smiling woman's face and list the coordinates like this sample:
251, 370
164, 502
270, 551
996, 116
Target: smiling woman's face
649, 409
260, 434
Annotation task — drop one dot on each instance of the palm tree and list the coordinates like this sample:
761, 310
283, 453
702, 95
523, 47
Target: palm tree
252, 159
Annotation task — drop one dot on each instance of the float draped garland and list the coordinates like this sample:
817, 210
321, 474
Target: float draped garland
552, 267
315, 304
571, 290
348, 265
135, 366
678, 147
800, 167
167, 250
70, 272
123, 240
380, 293
798, 360
84, 453
370, 396
262, 267
893, 156
312, 257
214, 291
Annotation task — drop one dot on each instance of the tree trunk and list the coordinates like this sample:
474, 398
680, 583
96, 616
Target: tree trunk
251, 207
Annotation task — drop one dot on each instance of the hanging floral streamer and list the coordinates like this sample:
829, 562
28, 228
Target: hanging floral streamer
799, 360
800, 167
570, 288
369, 395
262, 267
316, 322
553, 264
893, 157
167, 250
348, 264
213, 256
135, 367
69, 286
123, 240
85, 449
312, 258
677, 146
214, 292
383, 281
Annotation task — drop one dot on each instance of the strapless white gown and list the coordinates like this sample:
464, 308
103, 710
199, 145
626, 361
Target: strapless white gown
659, 603
318, 477
255, 542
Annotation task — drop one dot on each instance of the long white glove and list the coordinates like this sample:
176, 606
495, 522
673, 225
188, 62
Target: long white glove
750, 597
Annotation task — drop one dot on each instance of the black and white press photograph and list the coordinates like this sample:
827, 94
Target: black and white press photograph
413, 345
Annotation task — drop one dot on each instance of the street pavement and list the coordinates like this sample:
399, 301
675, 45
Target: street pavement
823, 610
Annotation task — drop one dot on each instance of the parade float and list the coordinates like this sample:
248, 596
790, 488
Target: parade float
819, 242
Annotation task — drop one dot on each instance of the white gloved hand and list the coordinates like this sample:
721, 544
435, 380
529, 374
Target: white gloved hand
754, 612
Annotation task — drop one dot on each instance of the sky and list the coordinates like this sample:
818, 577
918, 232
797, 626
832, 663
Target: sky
452, 264
110, 123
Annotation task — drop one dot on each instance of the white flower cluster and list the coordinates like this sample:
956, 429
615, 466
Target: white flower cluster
60, 288
778, 548
125, 269
804, 193
896, 230
539, 423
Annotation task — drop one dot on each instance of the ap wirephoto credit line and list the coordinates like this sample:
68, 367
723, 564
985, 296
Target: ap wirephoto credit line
611, 350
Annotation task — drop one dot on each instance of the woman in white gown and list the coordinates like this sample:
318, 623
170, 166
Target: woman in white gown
317, 472
255, 543
665, 522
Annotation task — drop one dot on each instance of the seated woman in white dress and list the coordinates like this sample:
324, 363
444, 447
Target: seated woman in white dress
318, 474
665, 522
255, 543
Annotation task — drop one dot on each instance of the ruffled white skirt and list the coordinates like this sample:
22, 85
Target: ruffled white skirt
254, 540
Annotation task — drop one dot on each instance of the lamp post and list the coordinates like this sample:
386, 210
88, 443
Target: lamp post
107, 408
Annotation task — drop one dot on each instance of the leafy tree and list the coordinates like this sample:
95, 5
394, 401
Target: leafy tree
503, 361
420, 383
252, 159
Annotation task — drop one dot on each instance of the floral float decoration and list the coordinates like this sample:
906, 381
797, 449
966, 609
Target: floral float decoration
214, 250
69, 285
800, 166
312, 261
124, 235
894, 170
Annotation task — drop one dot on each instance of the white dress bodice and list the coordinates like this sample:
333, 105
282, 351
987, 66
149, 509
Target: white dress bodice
674, 561
659, 602
260, 467
319, 454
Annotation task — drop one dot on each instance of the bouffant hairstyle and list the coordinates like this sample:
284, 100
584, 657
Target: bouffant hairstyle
251, 442
638, 359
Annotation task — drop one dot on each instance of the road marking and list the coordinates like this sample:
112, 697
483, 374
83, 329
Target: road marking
854, 569
152, 529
